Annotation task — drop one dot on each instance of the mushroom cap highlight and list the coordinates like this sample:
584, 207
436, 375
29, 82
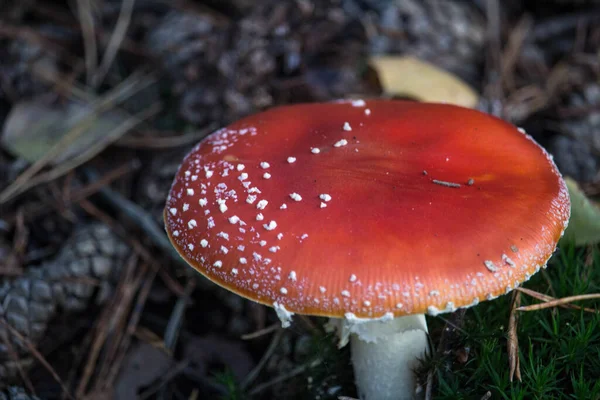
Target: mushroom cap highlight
367, 207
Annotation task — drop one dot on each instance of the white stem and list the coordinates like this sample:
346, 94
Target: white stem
385, 355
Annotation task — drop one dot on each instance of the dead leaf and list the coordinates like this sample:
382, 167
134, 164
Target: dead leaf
410, 77
34, 127
584, 225
143, 365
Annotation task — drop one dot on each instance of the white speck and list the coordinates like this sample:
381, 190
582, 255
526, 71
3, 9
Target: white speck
264, 165
521, 130
315, 150
358, 103
218, 264
186, 206
234, 271
367, 112
254, 190
225, 173
304, 236
490, 265
203, 202
323, 205
322, 289
267, 175
262, 204
260, 217
204, 243
367, 303
250, 199
194, 178
434, 293
292, 276
192, 223
295, 196
191, 247
352, 278
173, 211
208, 173
279, 236
247, 184
283, 290
316, 301
399, 305
345, 293
190, 192
284, 315
175, 233
241, 247
224, 250
243, 260
222, 205
274, 249
240, 167
340, 143
433, 311
187, 173
325, 197
255, 286
291, 160
507, 260
211, 222
234, 219
272, 225
347, 127
243, 176
223, 235
262, 243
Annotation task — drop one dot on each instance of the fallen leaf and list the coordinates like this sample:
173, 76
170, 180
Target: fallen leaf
584, 225
34, 127
410, 77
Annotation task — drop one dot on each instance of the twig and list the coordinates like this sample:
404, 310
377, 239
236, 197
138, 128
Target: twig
559, 302
546, 298
159, 143
512, 342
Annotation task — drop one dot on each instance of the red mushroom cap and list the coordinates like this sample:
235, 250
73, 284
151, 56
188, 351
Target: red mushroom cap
368, 207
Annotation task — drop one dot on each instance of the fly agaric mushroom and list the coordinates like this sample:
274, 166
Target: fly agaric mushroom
373, 213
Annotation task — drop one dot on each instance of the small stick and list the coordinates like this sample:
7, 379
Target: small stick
447, 184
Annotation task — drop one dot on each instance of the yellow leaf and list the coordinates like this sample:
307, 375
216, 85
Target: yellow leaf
410, 77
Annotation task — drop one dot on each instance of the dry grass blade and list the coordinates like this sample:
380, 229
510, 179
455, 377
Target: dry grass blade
261, 332
560, 302
115, 41
284, 377
86, 21
126, 89
512, 343
546, 298
252, 375
39, 357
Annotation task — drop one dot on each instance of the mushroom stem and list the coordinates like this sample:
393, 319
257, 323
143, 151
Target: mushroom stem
385, 355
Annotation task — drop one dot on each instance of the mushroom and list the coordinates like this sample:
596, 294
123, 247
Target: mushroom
373, 213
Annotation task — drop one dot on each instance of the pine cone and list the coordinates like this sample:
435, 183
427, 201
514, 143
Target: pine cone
84, 272
16, 393
447, 33
226, 71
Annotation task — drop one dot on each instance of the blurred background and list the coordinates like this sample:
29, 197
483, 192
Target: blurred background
101, 99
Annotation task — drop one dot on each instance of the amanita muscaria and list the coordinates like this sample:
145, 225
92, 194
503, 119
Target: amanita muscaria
373, 213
